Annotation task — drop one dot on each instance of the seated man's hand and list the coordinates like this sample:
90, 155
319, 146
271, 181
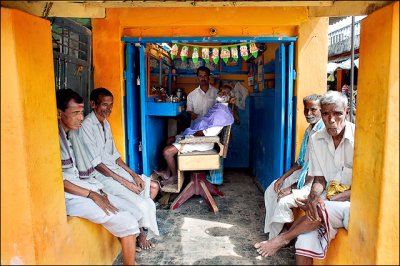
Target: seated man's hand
312, 207
102, 201
284, 192
139, 181
132, 187
193, 116
278, 184
199, 133
301, 203
344, 196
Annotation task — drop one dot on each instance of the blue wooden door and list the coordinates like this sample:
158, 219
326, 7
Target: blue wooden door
132, 109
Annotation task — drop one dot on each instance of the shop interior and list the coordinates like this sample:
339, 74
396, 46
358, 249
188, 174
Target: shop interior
160, 73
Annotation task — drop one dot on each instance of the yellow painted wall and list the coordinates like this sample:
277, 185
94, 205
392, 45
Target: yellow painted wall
373, 236
34, 225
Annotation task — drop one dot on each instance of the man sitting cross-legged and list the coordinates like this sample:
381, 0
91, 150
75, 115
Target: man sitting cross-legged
331, 163
84, 196
211, 124
117, 177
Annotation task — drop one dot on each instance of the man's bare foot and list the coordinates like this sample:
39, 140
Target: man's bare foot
270, 247
144, 243
163, 174
170, 181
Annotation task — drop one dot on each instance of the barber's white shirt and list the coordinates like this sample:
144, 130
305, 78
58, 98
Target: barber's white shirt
199, 102
333, 164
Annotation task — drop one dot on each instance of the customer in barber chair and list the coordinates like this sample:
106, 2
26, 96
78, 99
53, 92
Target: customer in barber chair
211, 124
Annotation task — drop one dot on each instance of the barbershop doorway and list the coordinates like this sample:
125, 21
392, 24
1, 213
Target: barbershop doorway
263, 142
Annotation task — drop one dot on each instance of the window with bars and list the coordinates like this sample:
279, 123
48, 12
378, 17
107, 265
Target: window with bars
72, 55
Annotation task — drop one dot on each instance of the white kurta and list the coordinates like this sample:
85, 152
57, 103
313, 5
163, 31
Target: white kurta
101, 148
184, 148
279, 212
199, 102
333, 164
121, 224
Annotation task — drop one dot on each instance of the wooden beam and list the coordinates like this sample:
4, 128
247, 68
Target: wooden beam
57, 9
96, 9
347, 8
194, 3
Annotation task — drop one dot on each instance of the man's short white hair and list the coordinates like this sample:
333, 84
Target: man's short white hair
334, 97
313, 98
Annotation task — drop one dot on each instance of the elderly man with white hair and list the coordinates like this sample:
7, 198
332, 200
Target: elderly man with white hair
331, 163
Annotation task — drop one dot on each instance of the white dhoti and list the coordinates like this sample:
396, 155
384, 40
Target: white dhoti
314, 244
271, 205
142, 201
121, 224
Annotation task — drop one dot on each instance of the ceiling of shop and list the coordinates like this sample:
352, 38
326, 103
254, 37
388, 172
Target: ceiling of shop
97, 9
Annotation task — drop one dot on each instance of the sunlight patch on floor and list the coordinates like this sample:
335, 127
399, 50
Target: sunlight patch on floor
203, 239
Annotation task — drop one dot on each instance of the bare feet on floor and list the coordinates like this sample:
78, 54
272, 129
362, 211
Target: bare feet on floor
144, 243
270, 247
170, 181
163, 174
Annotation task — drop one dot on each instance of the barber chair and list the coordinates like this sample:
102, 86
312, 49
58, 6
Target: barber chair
198, 163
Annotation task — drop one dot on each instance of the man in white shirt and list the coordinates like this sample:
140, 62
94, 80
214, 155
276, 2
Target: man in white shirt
211, 124
84, 196
331, 164
280, 195
117, 177
201, 98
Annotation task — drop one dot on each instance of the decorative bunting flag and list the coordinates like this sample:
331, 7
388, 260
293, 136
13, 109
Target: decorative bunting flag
253, 49
184, 52
205, 54
174, 50
225, 54
215, 55
234, 53
243, 51
195, 54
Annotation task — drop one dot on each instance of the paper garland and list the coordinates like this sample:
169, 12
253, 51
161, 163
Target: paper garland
253, 49
205, 54
244, 52
195, 54
174, 50
184, 52
225, 52
215, 55
234, 53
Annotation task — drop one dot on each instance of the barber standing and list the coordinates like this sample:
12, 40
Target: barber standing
203, 97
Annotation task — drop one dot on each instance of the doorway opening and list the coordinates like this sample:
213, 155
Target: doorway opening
158, 78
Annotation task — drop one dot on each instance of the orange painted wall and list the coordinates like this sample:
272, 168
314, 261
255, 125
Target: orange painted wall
373, 236
375, 227
142, 22
310, 63
34, 225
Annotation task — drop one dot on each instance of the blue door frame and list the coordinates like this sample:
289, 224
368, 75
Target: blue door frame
148, 126
132, 109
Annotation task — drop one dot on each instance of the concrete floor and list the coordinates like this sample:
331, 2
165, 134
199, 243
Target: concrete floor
193, 234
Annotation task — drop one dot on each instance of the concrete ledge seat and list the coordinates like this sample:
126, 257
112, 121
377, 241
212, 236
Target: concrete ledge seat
340, 242
107, 246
